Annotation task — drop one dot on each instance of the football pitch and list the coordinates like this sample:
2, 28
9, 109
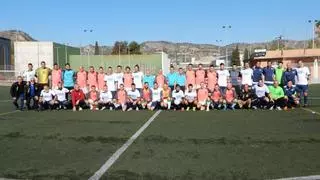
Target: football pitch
241, 144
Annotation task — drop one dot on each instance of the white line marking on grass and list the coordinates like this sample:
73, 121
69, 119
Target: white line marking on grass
310, 110
3, 101
1, 114
98, 174
302, 178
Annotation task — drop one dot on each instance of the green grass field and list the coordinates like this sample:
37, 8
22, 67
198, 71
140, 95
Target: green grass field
242, 144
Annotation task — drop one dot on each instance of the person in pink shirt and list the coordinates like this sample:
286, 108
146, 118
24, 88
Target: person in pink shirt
191, 75
216, 97
82, 77
200, 76
211, 78
203, 96
56, 74
101, 81
93, 98
127, 79
229, 97
160, 79
121, 98
92, 77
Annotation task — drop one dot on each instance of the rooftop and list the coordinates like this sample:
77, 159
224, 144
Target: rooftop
294, 53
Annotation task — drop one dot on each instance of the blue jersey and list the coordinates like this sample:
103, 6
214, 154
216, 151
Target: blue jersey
149, 79
268, 73
289, 92
172, 78
68, 78
257, 74
181, 79
289, 75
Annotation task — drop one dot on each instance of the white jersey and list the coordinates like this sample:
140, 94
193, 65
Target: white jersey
47, 96
303, 74
118, 77
106, 96
28, 75
261, 91
246, 75
223, 77
177, 96
110, 80
190, 96
137, 79
134, 94
61, 94
156, 95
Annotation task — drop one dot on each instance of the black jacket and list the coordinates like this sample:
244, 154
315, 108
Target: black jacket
36, 89
17, 89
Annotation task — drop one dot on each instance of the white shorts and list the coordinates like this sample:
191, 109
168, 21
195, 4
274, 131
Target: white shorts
85, 90
127, 89
202, 103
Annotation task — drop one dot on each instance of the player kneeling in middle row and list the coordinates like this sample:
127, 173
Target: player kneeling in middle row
178, 99
166, 99
133, 98
245, 97
47, 99
230, 98
190, 101
203, 94
61, 94
156, 98
93, 98
106, 99
146, 95
216, 98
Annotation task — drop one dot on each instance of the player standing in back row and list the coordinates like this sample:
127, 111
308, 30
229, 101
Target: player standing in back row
302, 82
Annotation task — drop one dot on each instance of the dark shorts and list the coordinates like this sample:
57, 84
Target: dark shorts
69, 88
302, 88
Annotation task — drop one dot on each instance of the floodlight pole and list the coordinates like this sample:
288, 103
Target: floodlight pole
313, 24
88, 31
226, 27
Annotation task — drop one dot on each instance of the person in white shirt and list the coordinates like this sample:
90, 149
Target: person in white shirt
155, 97
178, 98
190, 101
134, 100
223, 77
302, 82
262, 93
110, 80
47, 99
246, 75
29, 74
61, 93
138, 77
106, 99
118, 77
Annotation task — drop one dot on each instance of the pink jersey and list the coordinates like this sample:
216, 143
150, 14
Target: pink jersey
56, 77
230, 95
122, 96
203, 94
101, 81
200, 76
82, 79
212, 80
127, 80
93, 95
92, 79
191, 77
216, 96
160, 80
146, 94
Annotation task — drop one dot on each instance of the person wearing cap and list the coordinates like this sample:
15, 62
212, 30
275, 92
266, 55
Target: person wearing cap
43, 73
32, 94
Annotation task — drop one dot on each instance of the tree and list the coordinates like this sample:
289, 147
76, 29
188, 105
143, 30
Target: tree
96, 49
246, 55
134, 48
120, 47
235, 56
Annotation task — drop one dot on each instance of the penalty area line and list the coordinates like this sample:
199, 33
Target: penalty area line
310, 110
104, 168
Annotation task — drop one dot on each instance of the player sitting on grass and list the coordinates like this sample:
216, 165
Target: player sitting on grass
156, 98
229, 98
277, 97
46, 100
61, 94
190, 100
178, 99
93, 98
291, 96
133, 98
121, 102
146, 95
245, 97
263, 97
202, 96
216, 98
166, 97
105, 100
78, 98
